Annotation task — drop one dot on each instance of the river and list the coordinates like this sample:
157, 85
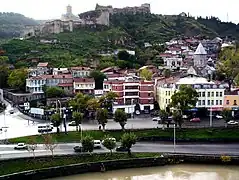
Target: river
176, 172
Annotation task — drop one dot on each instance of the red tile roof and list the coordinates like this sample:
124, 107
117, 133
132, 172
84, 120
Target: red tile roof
84, 80
59, 76
65, 84
45, 64
80, 68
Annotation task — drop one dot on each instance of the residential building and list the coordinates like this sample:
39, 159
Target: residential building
80, 72
131, 93
173, 63
57, 71
84, 85
36, 84
211, 95
200, 57
43, 68
231, 100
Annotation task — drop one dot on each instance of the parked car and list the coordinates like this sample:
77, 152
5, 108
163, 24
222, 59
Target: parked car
79, 149
185, 117
195, 120
232, 122
219, 116
97, 144
113, 139
72, 123
20, 146
156, 119
45, 128
121, 149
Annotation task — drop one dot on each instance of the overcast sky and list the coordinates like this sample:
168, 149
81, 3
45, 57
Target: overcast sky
51, 9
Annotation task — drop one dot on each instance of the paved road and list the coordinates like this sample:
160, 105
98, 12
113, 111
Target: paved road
7, 151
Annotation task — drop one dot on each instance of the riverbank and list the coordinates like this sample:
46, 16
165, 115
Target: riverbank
58, 166
222, 135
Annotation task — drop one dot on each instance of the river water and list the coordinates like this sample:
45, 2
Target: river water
176, 172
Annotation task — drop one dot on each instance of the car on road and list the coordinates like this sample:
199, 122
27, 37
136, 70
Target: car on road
11, 111
97, 144
113, 139
195, 120
79, 149
72, 123
21, 146
232, 122
219, 116
45, 128
156, 119
121, 149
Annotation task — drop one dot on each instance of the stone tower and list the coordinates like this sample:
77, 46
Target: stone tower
69, 10
200, 57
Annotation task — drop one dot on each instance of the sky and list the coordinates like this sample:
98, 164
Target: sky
53, 9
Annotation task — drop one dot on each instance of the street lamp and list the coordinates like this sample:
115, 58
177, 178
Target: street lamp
174, 138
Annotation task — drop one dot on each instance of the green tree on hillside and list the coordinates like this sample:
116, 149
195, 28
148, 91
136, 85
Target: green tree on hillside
55, 92
17, 79
146, 74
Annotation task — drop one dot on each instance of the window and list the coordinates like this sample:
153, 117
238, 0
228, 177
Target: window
169, 93
199, 102
228, 102
235, 102
208, 94
166, 101
220, 94
203, 102
203, 94
216, 94
216, 102
220, 102
199, 94
212, 94
208, 102
166, 94
212, 102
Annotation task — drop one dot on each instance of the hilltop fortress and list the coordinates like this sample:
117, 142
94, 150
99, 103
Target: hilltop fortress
69, 21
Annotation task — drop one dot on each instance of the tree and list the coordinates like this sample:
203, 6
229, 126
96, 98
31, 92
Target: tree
101, 116
166, 73
56, 120
185, 98
49, 143
227, 115
32, 146
109, 143
127, 140
164, 117
77, 117
121, 118
177, 117
88, 143
55, 92
107, 100
93, 105
99, 78
79, 103
228, 64
17, 79
4, 71
146, 74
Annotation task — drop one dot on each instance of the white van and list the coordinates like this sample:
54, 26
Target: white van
44, 128
97, 144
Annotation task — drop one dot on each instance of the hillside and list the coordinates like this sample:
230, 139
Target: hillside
11, 24
83, 46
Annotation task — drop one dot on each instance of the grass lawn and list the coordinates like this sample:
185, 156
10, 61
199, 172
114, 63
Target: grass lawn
13, 166
225, 133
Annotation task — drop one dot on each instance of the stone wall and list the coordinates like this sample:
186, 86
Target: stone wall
121, 164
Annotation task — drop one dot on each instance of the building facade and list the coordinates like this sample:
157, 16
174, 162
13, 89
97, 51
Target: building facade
84, 85
231, 100
132, 93
211, 95
80, 72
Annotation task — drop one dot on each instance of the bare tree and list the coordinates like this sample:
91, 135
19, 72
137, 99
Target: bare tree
50, 143
32, 146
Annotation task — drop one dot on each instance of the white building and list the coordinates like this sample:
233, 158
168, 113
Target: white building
173, 63
78, 72
84, 85
210, 93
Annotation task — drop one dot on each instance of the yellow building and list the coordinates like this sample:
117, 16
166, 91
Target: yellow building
231, 100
